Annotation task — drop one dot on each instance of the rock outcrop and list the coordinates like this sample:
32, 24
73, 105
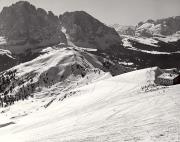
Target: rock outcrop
22, 24
86, 31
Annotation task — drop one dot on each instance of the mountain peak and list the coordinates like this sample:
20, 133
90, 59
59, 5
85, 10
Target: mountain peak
162, 27
86, 31
23, 24
22, 3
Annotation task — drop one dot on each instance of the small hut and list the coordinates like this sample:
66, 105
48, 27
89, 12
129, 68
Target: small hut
168, 79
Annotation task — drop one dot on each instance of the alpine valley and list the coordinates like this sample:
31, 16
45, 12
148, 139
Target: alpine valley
71, 78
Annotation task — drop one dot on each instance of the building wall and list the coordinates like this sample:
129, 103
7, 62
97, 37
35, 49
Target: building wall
177, 80
163, 81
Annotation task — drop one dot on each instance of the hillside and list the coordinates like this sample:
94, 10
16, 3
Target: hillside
90, 113
54, 65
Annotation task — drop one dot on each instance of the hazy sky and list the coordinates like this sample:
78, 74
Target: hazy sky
125, 12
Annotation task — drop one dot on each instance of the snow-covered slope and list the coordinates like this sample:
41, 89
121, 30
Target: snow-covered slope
6, 52
154, 45
2, 40
170, 39
142, 40
122, 108
155, 51
54, 65
148, 30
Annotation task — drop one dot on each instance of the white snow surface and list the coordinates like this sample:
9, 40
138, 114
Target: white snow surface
151, 52
150, 27
2, 40
59, 59
143, 40
99, 108
126, 43
173, 38
6, 52
126, 63
146, 41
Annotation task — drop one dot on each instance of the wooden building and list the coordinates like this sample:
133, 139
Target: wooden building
168, 79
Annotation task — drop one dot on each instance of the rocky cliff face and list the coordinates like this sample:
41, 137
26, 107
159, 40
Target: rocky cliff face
161, 27
86, 31
23, 24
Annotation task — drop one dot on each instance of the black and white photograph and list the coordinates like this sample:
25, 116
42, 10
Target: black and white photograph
89, 70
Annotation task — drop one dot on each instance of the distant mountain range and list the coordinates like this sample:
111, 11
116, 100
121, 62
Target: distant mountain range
124, 30
151, 43
161, 27
26, 30
151, 28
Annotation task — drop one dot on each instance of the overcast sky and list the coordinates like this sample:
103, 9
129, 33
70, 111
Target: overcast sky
124, 12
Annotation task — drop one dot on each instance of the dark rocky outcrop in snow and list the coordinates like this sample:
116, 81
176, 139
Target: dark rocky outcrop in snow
86, 31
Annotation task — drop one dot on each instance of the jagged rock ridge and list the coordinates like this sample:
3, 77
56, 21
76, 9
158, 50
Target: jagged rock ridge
22, 24
86, 31
160, 27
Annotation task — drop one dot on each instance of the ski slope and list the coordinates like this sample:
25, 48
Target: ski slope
128, 107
